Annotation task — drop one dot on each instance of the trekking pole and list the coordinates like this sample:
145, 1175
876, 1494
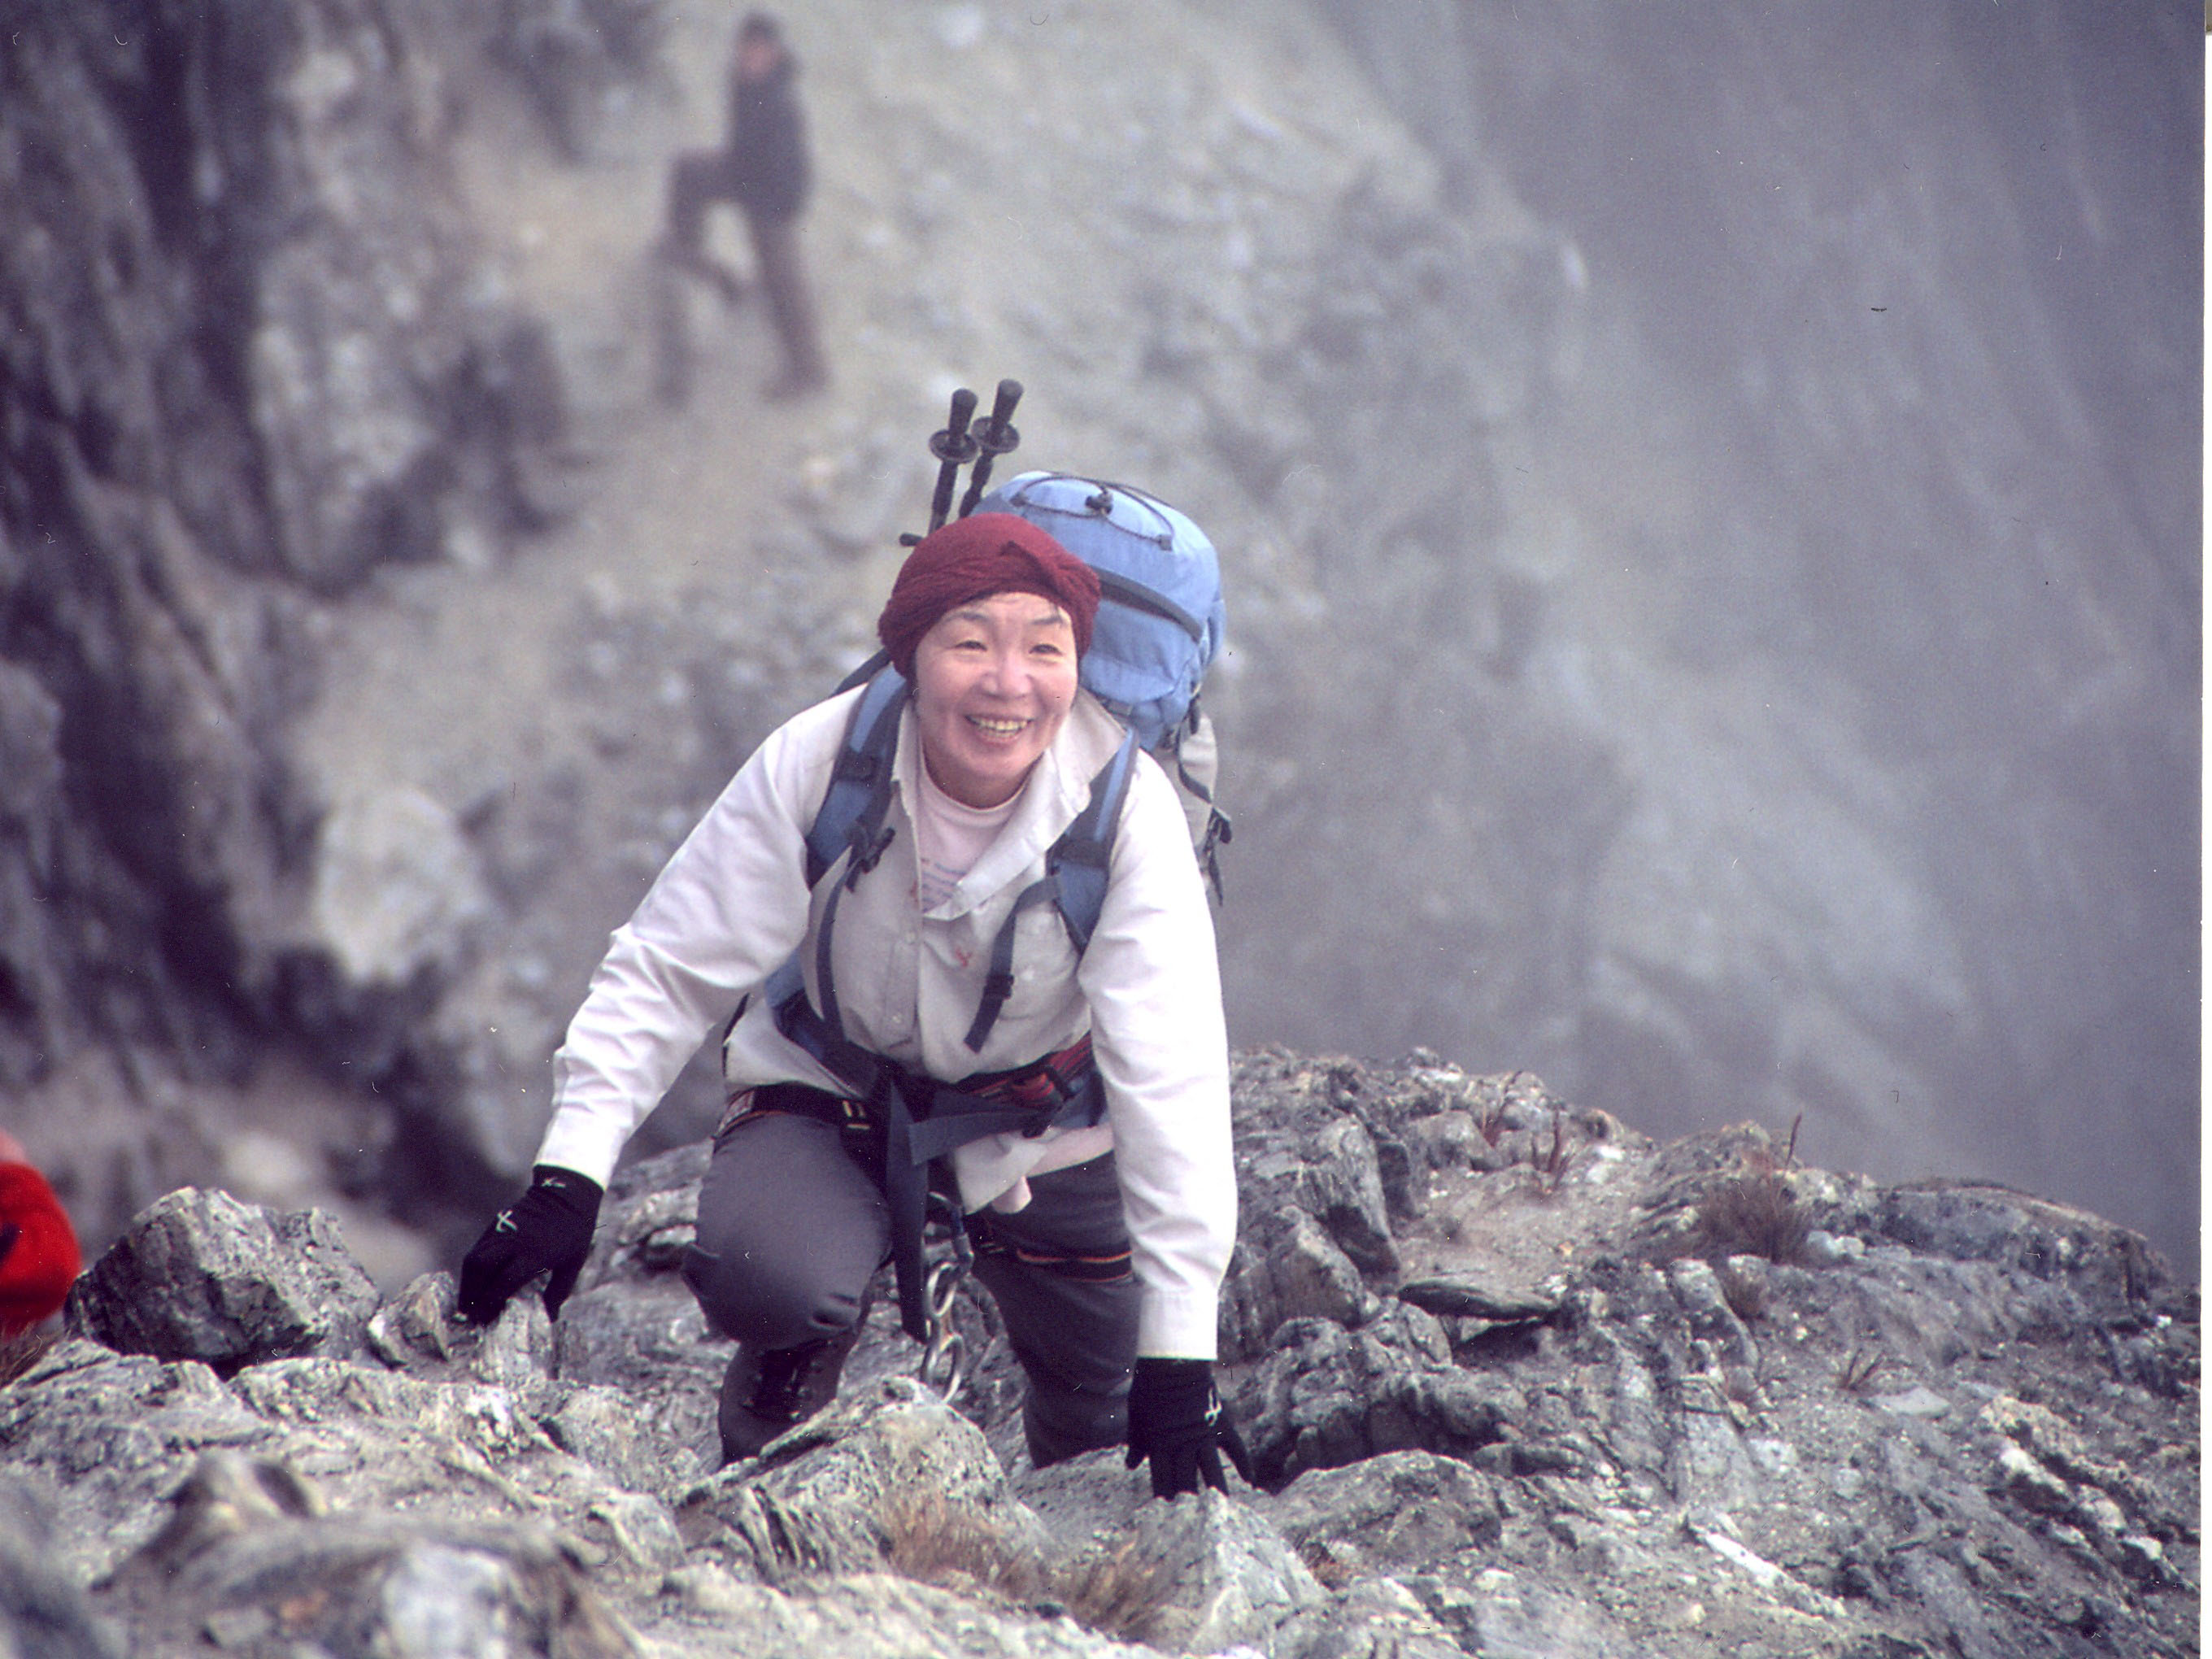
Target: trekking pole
954, 448
996, 436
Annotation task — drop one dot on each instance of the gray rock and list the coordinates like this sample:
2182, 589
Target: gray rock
1199, 1575
2117, 1274
887, 1477
1326, 1396
1498, 1610
419, 1329
1375, 1618
200, 1276
115, 1434
251, 1559
397, 889
1330, 1172
868, 1617
639, 1449
1287, 1267
1892, 1452
1395, 1513
1470, 1299
44, 1611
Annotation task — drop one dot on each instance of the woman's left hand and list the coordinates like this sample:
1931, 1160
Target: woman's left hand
1175, 1420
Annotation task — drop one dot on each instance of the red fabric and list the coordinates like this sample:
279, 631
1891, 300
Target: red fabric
39, 1268
971, 558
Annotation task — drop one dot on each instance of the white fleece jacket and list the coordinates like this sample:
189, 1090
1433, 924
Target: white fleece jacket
732, 905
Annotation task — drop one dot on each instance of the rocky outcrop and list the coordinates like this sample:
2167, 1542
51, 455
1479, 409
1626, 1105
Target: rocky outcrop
250, 354
1608, 1397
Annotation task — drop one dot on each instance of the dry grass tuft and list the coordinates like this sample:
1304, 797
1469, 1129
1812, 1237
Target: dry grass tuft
19, 1352
1549, 1164
1861, 1369
953, 1547
1755, 1213
1117, 1593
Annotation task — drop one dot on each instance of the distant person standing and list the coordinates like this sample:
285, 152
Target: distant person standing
763, 170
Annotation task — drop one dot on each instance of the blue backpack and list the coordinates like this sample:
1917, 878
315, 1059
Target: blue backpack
1161, 623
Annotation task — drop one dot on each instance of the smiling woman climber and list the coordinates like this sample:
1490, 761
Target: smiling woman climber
918, 1012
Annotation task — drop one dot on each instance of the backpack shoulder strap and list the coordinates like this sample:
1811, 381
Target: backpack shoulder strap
860, 794
876, 662
1079, 861
1077, 867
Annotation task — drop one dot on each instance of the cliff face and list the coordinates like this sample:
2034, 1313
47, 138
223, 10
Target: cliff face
1701, 626
1869, 553
247, 361
372, 626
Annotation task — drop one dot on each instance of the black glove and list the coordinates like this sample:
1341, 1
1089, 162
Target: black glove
548, 1228
1175, 1420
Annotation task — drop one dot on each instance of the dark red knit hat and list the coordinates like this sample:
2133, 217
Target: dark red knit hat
971, 558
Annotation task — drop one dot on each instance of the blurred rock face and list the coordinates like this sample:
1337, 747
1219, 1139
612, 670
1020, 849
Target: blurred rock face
1837, 751
248, 362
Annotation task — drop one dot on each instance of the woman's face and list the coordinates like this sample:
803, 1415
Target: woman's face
993, 679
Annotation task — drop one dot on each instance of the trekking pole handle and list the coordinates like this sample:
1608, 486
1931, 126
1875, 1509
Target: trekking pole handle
995, 436
954, 448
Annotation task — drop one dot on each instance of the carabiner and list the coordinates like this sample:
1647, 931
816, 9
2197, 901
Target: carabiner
944, 1351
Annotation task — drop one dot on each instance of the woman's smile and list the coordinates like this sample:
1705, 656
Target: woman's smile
993, 679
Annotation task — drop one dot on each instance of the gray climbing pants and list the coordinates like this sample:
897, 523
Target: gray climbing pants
792, 1229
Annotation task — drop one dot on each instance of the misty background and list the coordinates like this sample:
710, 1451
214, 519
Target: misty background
1711, 502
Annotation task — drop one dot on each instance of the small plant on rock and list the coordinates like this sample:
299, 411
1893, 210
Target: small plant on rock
1551, 1163
1756, 1213
1490, 1120
1117, 1591
18, 1354
941, 1543
1861, 1369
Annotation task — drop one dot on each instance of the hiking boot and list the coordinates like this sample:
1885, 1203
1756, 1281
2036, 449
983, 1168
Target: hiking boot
766, 1391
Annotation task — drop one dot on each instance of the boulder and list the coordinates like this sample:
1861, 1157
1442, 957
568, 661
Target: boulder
44, 1610
887, 1478
199, 1275
1199, 1575
1287, 1266
250, 1561
1397, 1513
1325, 1396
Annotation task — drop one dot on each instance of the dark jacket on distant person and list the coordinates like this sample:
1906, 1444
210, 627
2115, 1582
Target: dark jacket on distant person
770, 173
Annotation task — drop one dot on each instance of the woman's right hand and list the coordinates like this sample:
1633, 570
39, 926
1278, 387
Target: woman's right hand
547, 1230
1175, 1420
